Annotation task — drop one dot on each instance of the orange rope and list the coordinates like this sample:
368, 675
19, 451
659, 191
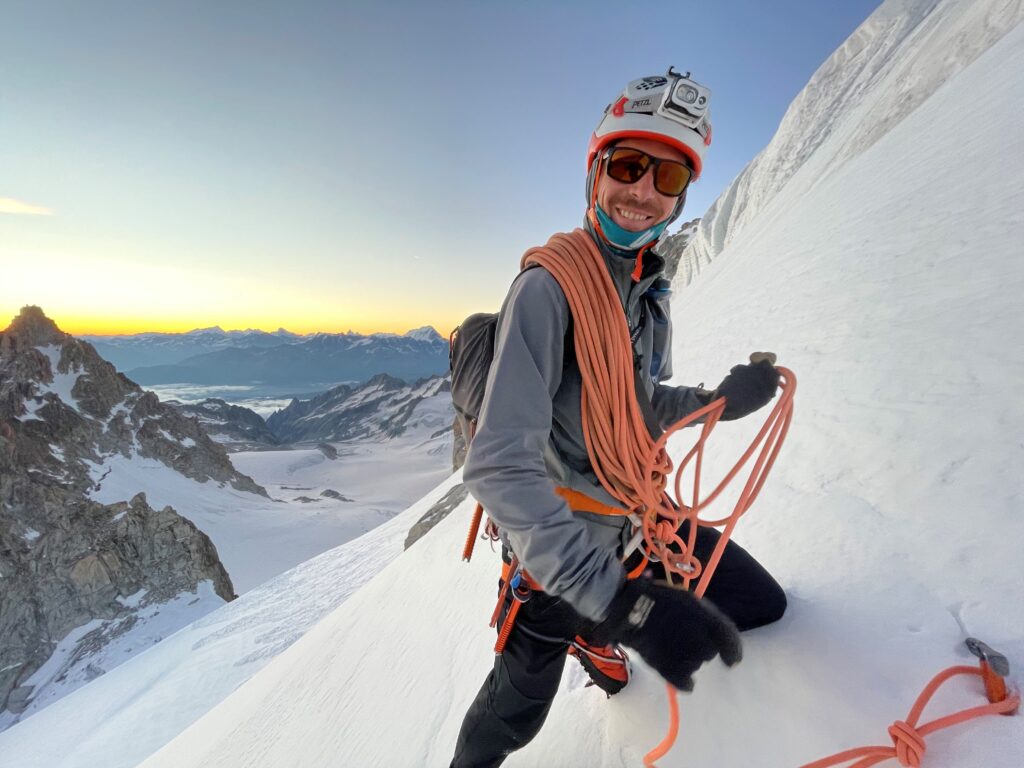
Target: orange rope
614, 432
630, 464
474, 528
908, 737
660, 535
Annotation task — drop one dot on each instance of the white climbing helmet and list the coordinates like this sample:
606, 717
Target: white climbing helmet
670, 108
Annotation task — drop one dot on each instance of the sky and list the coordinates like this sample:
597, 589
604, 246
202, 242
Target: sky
334, 166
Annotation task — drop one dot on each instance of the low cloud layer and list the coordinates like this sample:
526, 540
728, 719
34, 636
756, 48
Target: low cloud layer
19, 208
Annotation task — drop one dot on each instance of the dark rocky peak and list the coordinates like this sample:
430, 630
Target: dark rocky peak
65, 397
384, 381
433, 384
32, 328
671, 247
380, 407
48, 365
233, 426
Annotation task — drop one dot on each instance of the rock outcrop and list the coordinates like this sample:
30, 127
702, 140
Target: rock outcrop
234, 427
436, 514
671, 247
66, 559
382, 407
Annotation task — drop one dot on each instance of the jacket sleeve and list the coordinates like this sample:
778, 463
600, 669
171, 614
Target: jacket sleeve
671, 404
505, 468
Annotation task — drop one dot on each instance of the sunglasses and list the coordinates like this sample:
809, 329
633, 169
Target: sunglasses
629, 166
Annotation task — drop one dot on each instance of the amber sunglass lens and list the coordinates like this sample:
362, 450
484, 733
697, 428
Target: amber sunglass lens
627, 166
671, 178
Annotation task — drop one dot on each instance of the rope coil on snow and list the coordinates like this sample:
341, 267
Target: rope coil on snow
908, 737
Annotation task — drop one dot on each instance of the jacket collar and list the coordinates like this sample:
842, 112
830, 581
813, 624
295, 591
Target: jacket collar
620, 263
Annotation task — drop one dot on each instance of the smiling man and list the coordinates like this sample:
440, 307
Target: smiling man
564, 536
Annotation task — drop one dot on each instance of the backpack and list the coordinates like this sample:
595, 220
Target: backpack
470, 352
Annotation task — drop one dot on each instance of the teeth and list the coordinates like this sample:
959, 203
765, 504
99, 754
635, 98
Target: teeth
633, 216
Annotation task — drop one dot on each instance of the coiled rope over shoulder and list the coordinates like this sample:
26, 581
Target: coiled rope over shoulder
617, 440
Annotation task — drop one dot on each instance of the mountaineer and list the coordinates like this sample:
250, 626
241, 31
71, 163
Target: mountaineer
528, 464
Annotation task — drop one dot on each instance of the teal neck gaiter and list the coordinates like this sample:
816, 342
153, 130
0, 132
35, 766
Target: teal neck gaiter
623, 238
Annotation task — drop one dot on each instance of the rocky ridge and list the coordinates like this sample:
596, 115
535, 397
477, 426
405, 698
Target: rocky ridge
671, 247
66, 559
381, 407
233, 426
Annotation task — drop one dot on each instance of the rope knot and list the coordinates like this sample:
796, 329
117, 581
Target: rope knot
909, 744
664, 531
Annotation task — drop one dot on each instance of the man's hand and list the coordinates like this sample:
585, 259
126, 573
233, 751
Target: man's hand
674, 631
748, 387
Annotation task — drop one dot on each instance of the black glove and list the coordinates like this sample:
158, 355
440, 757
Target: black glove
748, 387
674, 631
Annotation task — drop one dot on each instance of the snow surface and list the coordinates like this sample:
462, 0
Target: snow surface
133, 710
61, 385
888, 67
892, 516
70, 667
259, 538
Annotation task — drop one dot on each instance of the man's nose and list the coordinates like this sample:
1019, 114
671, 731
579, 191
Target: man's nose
643, 188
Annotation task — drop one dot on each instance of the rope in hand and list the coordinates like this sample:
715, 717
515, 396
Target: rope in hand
660, 527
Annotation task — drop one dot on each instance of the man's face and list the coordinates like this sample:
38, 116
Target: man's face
635, 207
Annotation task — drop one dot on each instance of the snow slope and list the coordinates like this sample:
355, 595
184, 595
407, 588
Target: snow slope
258, 538
892, 518
889, 66
126, 715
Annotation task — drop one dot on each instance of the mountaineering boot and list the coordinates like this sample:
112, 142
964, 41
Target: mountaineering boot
608, 665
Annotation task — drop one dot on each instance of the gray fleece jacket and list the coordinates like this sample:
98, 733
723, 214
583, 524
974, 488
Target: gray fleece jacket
529, 437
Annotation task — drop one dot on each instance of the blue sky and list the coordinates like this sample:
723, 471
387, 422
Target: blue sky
315, 165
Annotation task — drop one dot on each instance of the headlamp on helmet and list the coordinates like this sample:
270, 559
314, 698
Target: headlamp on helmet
687, 102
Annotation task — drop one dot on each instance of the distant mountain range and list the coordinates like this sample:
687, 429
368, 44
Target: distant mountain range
120, 513
381, 408
212, 356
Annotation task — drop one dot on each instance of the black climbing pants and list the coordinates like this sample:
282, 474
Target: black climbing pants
515, 698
